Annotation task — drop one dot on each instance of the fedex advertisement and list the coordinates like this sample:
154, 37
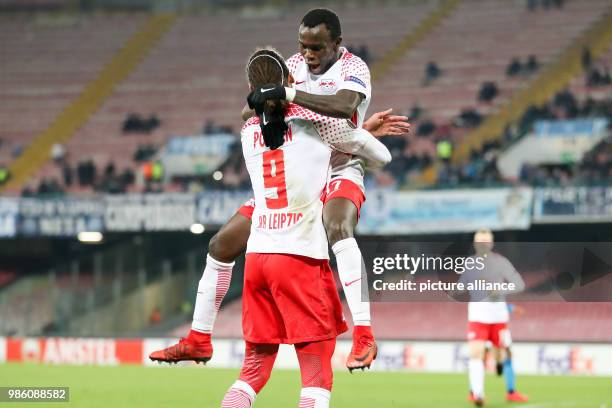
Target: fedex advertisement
416, 356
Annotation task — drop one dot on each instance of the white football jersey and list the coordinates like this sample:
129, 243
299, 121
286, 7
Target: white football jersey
288, 182
483, 308
349, 72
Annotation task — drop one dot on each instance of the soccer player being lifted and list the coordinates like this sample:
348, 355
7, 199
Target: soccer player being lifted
331, 81
289, 294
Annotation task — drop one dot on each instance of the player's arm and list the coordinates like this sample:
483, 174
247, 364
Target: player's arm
367, 147
342, 104
341, 135
511, 275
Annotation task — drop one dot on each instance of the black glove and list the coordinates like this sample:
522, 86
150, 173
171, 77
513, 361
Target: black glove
273, 128
261, 94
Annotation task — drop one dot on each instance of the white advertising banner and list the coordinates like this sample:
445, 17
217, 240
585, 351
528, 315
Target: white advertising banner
414, 356
423, 356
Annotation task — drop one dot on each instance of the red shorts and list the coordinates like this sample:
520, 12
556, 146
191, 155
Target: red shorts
497, 333
289, 299
344, 188
337, 188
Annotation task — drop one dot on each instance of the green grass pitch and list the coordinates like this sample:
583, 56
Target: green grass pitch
202, 387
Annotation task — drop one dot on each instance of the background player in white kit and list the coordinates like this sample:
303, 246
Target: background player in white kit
488, 313
289, 292
345, 94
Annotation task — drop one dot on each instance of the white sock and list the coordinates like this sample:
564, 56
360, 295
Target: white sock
476, 374
348, 258
240, 395
314, 397
212, 288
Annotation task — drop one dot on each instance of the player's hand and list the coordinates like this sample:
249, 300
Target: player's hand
261, 94
384, 124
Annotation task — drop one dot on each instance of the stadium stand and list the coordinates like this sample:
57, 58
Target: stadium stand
184, 88
47, 62
552, 79
468, 57
18, 303
582, 99
179, 87
94, 93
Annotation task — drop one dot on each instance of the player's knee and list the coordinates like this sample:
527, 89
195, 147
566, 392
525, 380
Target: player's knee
325, 380
258, 363
500, 355
338, 229
476, 349
315, 363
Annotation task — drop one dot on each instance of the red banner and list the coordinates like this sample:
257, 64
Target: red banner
80, 351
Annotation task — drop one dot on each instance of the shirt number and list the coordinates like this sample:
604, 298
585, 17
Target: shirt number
274, 177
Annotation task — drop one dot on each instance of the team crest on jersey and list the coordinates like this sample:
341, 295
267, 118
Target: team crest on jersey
327, 85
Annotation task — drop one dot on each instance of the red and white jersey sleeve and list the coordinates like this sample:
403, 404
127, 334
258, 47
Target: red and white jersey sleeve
349, 72
355, 76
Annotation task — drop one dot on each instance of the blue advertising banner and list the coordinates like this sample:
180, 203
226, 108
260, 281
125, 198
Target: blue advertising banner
386, 212
9, 209
216, 207
572, 204
59, 216
570, 128
149, 212
405, 212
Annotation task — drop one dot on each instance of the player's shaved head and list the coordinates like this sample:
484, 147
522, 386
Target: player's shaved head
483, 241
483, 235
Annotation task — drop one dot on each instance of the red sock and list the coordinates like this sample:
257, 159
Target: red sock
195, 336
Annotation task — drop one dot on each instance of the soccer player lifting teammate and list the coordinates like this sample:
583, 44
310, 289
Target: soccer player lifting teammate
331, 81
289, 292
